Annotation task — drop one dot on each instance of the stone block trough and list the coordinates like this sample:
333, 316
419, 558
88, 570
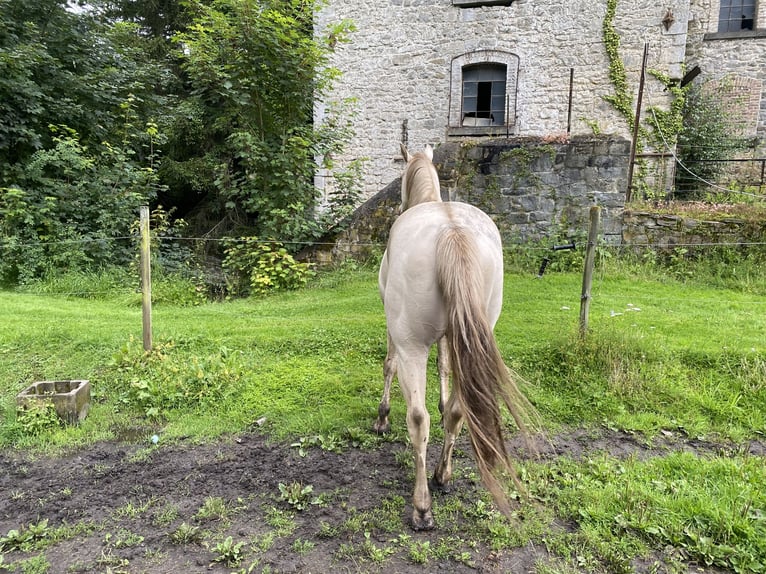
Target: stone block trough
71, 399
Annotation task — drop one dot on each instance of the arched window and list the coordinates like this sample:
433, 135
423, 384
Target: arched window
483, 93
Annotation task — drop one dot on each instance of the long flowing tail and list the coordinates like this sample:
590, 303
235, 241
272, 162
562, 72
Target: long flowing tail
481, 380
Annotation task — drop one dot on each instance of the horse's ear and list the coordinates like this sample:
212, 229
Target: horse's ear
429, 151
405, 153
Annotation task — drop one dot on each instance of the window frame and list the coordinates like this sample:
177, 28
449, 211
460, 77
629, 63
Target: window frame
758, 31
729, 29
475, 3
498, 58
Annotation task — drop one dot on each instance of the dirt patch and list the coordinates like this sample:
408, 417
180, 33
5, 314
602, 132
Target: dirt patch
117, 506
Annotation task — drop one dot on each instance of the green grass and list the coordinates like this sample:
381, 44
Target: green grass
661, 357
658, 355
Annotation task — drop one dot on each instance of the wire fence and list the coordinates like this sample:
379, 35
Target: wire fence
532, 251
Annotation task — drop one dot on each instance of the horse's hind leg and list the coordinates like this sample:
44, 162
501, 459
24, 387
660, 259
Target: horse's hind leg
412, 379
444, 369
382, 425
453, 421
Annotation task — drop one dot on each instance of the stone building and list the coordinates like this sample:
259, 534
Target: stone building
458, 71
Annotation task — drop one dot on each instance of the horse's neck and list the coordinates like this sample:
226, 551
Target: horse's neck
416, 199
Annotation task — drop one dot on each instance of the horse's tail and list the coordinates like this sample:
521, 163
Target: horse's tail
481, 380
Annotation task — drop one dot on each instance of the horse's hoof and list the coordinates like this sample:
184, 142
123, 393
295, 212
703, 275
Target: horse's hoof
422, 520
381, 427
439, 487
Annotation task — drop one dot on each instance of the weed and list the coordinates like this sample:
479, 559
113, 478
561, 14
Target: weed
123, 539
166, 515
213, 508
26, 538
35, 565
326, 530
297, 495
37, 417
185, 534
420, 552
303, 546
228, 552
329, 443
374, 553
131, 510
282, 522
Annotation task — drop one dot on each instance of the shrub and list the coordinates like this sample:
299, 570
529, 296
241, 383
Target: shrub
255, 267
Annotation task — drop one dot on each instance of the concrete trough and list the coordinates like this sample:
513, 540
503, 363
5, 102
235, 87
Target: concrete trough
71, 399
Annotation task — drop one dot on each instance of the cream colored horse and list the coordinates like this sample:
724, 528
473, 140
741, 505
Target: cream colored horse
441, 280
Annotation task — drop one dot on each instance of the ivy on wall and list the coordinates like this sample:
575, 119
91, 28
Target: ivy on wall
621, 99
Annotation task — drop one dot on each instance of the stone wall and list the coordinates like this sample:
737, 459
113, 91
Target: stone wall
532, 188
667, 231
398, 69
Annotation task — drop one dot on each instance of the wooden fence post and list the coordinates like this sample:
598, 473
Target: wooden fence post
587, 278
146, 278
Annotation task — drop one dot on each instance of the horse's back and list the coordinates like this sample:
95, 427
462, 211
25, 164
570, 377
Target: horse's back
408, 278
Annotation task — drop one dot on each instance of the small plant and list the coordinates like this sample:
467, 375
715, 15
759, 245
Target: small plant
297, 495
282, 522
420, 552
37, 417
303, 546
228, 552
373, 552
185, 534
123, 539
25, 539
330, 443
213, 508
35, 565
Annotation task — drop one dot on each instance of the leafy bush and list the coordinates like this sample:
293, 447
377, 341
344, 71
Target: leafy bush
161, 381
259, 267
72, 210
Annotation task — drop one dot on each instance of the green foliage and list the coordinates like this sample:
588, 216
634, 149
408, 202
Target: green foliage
36, 418
621, 99
259, 267
707, 508
709, 134
72, 210
102, 111
161, 380
255, 71
229, 552
26, 538
186, 534
297, 495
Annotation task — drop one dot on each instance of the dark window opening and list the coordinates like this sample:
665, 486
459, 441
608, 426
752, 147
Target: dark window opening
736, 15
484, 95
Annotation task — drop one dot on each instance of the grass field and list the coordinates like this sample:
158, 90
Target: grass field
660, 357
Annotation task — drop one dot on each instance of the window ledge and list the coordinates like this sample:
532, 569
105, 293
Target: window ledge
494, 131
474, 3
738, 35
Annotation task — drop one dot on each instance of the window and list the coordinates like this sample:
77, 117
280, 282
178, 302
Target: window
474, 3
484, 95
736, 15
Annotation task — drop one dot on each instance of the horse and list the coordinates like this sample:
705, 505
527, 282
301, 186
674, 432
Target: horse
441, 282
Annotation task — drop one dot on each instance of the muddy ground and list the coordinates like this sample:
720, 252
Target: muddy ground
117, 506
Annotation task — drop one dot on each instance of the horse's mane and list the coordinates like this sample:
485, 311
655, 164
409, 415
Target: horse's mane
421, 181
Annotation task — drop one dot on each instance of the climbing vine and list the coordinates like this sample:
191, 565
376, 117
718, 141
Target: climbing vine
667, 124
621, 99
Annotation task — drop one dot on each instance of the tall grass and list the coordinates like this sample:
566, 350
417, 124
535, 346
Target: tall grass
660, 354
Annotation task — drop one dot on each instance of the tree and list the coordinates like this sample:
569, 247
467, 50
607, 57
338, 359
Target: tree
254, 68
